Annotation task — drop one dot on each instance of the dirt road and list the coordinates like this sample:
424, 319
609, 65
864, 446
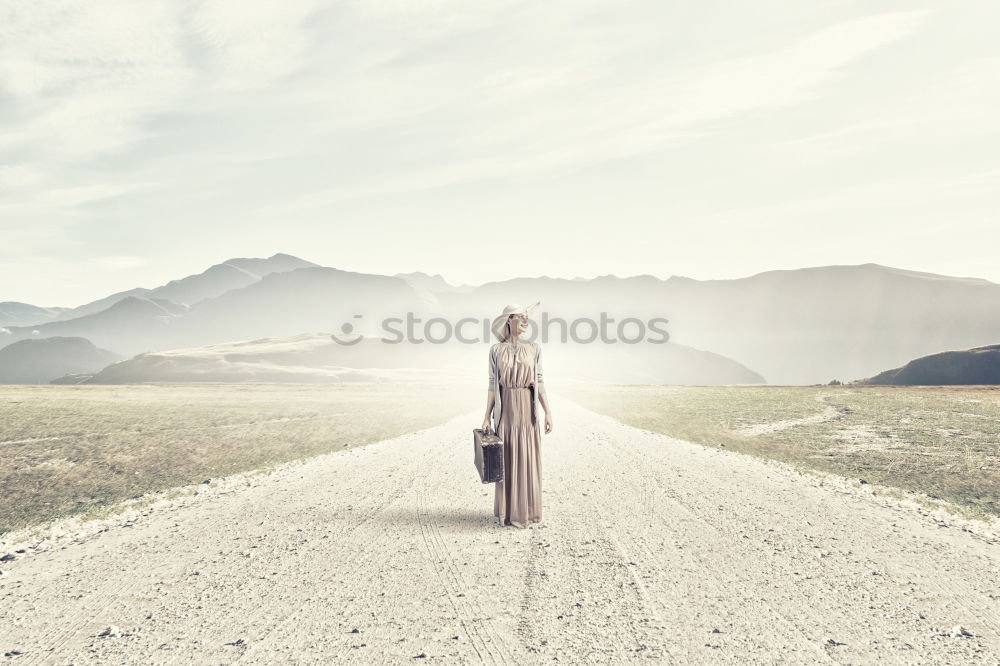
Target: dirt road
652, 550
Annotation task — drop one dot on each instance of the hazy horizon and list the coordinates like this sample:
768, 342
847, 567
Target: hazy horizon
489, 141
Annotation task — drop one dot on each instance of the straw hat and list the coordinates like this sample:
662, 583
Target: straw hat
501, 320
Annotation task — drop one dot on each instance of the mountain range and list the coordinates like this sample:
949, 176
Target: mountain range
801, 326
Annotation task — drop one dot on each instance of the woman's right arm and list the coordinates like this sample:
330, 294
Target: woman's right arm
490, 399
490, 396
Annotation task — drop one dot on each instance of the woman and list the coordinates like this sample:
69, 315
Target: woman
515, 379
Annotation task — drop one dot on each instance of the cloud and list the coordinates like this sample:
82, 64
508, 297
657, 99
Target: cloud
87, 79
531, 121
250, 44
965, 199
958, 102
83, 74
15, 177
779, 78
87, 82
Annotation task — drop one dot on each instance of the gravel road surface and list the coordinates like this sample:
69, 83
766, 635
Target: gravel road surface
651, 550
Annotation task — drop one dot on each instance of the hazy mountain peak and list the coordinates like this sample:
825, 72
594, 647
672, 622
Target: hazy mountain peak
220, 268
929, 276
15, 307
13, 313
145, 305
431, 283
420, 275
864, 270
276, 263
214, 281
436, 276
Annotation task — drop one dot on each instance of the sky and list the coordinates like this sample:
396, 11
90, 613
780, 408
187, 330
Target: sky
142, 142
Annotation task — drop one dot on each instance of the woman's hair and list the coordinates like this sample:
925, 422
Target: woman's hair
505, 334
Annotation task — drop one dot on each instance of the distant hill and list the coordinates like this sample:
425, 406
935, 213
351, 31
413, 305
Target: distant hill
23, 314
317, 358
40, 361
132, 321
980, 365
303, 358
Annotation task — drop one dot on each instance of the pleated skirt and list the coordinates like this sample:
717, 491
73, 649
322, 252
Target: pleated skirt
518, 497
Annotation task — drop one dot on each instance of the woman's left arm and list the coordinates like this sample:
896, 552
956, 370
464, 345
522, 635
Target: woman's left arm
540, 388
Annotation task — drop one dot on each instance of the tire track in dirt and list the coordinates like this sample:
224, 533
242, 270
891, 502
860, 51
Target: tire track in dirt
361, 547
585, 582
637, 552
352, 544
648, 599
719, 543
830, 413
754, 553
526, 629
352, 550
488, 646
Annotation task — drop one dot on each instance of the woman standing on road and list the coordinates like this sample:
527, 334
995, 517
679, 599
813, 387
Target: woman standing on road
516, 383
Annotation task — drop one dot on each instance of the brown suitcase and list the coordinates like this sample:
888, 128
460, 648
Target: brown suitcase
488, 455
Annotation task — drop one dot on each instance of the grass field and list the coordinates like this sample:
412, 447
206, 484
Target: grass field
79, 450
943, 442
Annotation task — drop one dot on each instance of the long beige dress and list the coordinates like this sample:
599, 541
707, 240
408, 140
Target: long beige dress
518, 497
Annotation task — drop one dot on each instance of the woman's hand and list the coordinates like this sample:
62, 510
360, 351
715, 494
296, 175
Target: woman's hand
548, 423
486, 425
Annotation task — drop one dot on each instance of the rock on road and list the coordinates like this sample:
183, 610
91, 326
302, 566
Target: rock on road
652, 550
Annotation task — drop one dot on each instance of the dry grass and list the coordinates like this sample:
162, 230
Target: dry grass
941, 442
79, 450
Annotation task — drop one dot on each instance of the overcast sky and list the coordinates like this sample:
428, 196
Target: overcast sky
483, 140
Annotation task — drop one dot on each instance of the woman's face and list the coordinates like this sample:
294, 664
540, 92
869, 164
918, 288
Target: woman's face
519, 324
